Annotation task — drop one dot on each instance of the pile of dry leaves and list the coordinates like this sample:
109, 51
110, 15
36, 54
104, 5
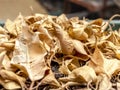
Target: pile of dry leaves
57, 53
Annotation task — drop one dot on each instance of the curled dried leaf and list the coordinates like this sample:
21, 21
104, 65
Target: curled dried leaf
77, 32
9, 75
111, 66
103, 82
29, 59
8, 45
65, 40
64, 68
82, 75
2, 30
11, 85
2, 55
50, 79
79, 47
112, 37
11, 27
7, 64
97, 22
85, 52
97, 61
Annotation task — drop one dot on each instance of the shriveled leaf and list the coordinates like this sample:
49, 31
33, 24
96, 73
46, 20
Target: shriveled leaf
45, 36
9, 75
29, 59
81, 74
79, 47
2, 55
62, 20
111, 66
103, 82
98, 57
65, 40
97, 61
64, 68
34, 48
8, 45
117, 54
7, 64
3, 38
25, 35
2, 30
97, 22
50, 79
11, 27
77, 32
112, 37
10, 85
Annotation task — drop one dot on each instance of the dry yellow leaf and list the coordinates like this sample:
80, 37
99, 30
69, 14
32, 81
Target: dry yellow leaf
79, 47
11, 85
50, 79
9, 75
65, 40
34, 48
103, 82
97, 61
29, 59
64, 67
11, 27
82, 75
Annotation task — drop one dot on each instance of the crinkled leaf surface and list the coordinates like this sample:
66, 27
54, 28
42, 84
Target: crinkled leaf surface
30, 58
54, 52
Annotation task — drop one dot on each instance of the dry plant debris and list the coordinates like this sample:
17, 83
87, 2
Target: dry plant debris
46, 52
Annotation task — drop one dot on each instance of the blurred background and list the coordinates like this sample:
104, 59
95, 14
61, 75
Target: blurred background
90, 9
83, 8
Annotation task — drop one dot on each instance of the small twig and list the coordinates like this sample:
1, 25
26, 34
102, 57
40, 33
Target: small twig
114, 16
31, 86
37, 86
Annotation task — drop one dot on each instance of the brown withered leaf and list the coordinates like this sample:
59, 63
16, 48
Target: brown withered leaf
65, 40
50, 79
8, 84
64, 68
3, 31
117, 53
2, 55
112, 37
77, 32
79, 47
29, 59
98, 57
3, 38
8, 45
62, 20
85, 53
11, 85
25, 35
9, 75
6, 63
11, 27
97, 22
111, 66
82, 75
45, 35
103, 82
97, 61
